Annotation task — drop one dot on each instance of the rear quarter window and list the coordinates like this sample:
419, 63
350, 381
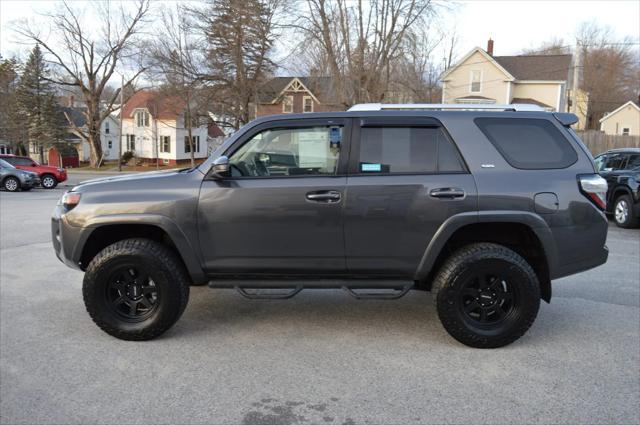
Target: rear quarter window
530, 144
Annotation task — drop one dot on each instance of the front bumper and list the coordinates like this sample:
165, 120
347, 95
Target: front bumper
66, 238
29, 182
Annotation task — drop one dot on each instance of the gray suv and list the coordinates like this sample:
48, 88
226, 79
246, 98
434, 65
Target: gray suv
13, 179
484, 208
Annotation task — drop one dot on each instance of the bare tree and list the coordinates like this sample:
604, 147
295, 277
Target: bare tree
361, 41
176, 57
87, 62
238, 37
610, 70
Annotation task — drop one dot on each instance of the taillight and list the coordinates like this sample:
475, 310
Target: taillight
594, 188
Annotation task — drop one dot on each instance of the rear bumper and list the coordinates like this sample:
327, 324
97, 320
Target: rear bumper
580, 266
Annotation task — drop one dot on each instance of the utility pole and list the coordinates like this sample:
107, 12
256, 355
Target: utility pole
120, 132
577, 64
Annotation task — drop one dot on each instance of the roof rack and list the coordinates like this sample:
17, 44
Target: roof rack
445, 107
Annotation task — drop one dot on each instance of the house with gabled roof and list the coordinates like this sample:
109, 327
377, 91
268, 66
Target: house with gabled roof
622, 121
288, 95
153, 128
482, 77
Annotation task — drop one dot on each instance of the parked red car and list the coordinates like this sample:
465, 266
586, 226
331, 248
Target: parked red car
49, 176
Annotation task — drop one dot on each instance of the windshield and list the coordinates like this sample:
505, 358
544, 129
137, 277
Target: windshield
5, 164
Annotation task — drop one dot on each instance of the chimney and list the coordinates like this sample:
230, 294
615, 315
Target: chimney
71, 101
490, 47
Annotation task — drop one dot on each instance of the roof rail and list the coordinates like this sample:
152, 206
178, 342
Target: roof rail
445, 107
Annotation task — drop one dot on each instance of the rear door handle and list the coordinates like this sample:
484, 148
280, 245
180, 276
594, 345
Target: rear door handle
447, 193
324, 196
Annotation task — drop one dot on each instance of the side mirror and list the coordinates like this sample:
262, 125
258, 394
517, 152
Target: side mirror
220, 168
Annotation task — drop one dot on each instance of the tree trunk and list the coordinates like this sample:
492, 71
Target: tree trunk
93, 134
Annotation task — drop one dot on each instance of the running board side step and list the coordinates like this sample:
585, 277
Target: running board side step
283, 289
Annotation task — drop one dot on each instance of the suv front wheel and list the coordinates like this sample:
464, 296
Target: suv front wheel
49, 181
487, 295
623, 212
135, 289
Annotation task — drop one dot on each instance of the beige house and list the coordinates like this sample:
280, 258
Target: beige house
481, 77
623, 121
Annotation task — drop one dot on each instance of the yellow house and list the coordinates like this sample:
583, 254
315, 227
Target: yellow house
481, 77
623, 121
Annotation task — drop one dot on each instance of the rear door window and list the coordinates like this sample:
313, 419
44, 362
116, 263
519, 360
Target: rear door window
530, 144
407, 150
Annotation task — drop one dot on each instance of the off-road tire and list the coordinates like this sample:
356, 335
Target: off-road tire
160, 264
11, 184
45, 178
631, 220
449, 285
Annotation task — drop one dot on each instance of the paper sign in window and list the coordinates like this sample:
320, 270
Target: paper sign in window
313, 149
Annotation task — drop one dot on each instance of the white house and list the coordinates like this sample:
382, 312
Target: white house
624, 120
109, 135
109, 132
153, 128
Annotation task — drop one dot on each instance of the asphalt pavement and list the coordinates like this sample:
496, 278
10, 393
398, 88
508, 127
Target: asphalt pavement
319, 358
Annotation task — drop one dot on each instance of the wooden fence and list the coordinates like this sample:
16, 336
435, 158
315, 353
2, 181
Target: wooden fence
598, 142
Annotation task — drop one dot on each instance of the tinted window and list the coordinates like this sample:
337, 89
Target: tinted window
531, 144
289, 152
22, 161
633, 162
407, 150
614, 161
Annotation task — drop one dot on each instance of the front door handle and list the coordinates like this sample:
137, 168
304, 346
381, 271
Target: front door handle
447, 193
324, 196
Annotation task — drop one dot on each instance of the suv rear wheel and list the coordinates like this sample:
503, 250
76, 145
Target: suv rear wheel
135, 289
623, 212
487, 295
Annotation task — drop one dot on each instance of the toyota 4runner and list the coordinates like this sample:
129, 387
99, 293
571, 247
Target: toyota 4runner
483, 206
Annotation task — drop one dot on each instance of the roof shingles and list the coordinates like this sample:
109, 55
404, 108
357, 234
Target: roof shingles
537, 67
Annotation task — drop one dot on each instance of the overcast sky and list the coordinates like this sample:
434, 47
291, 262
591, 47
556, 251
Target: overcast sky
514, 25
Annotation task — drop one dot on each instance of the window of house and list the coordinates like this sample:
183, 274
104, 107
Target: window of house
625, 131
131, 142
530, 144
289, 152
109, 144
142, 119
165, 144
106, 127
196, 144
476, 81
407, 150
287, 104
307, 103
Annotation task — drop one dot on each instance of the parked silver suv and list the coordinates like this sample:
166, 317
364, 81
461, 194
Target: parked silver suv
484, 208
13, 179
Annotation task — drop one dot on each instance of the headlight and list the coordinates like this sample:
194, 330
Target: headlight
60, 170
69, 200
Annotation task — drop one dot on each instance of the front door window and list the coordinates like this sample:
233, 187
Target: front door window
312, 151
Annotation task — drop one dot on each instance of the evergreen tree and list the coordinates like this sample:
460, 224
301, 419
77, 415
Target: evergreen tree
36, 102
11, 130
